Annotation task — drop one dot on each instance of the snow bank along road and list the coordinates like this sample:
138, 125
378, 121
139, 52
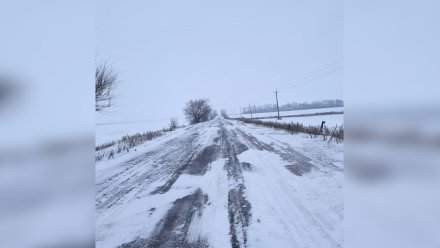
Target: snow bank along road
222, 184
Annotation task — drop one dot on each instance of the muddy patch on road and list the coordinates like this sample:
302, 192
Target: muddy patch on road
299, 169
197, 164
200, 164
230, 144
238, 146
298, 163
239, 208
172, 230
239, 212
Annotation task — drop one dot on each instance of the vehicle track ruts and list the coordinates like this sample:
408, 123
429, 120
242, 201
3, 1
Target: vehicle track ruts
239, 208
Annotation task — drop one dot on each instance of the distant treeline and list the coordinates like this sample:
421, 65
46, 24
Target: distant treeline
294, 106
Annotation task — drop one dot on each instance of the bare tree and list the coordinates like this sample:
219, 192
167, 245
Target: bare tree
173, 123
106, 81
197, 111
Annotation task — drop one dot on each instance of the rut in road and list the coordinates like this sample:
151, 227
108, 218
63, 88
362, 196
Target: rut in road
137, 173
239, 208
218, 172
172, 230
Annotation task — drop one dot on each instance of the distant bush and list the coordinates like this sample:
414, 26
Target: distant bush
197, 111
336, 133
173, 123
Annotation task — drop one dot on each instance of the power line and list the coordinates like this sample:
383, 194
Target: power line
322, 72
310, 78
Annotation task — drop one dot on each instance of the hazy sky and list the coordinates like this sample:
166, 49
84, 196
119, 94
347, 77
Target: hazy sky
232, 52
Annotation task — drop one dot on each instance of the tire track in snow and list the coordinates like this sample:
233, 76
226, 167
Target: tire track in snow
313, 224
299, 164
239, 208
139, 172
197, 164
172, 230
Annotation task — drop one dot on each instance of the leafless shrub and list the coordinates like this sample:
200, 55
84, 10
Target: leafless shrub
173, 123
105, 145
125, 144
338, 133
129, 141
106, 81
111, 154
99, 157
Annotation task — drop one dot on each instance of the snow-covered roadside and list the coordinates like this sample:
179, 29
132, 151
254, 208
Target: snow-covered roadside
136, 151
107, 132
328, 152
290, 210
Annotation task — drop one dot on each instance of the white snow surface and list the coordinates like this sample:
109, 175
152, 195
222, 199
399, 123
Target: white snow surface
330, 120
295, 112
222, 184
113, 131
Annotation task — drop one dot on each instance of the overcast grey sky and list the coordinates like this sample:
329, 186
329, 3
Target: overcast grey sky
232, 52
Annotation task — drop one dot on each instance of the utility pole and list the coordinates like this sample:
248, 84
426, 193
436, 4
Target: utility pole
241, 113
278, 109
250, 110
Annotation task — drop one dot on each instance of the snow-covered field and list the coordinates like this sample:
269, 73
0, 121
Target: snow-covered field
106, 132
330, 120
294, 112
222, 184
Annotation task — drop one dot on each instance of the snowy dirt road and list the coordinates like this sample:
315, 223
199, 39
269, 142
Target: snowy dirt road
222, 184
